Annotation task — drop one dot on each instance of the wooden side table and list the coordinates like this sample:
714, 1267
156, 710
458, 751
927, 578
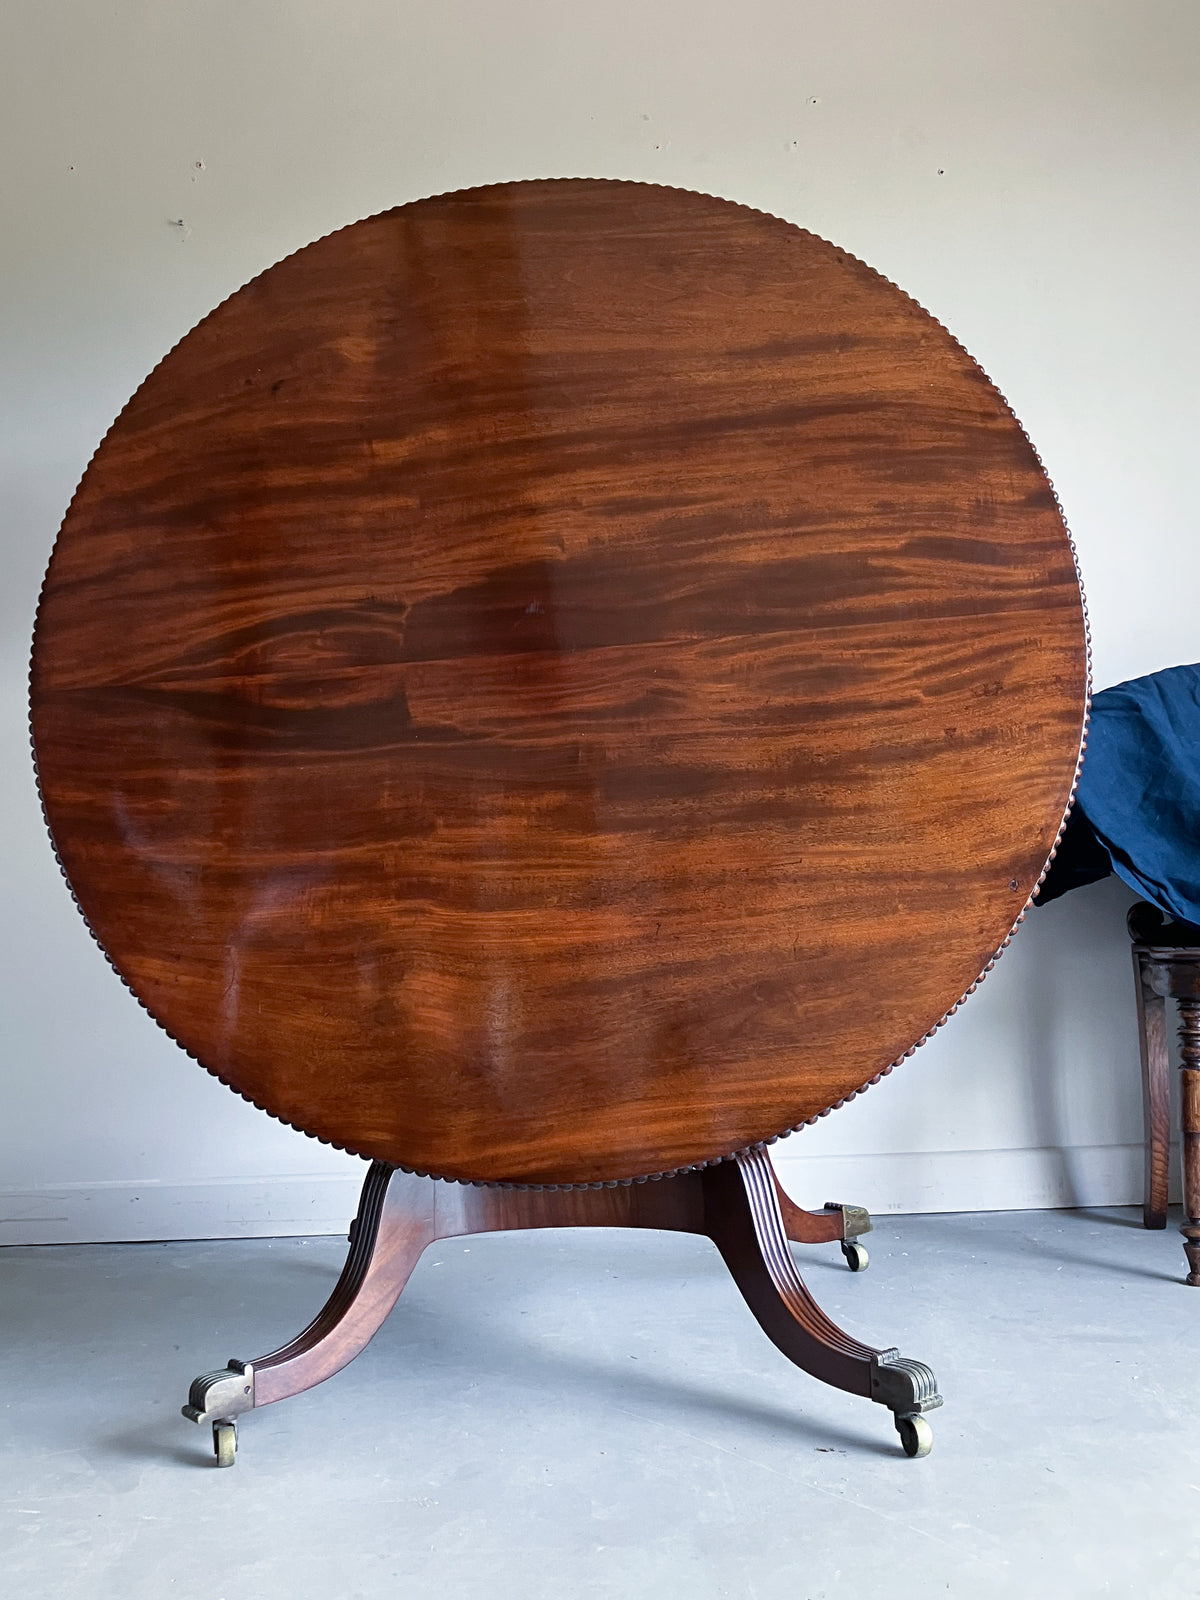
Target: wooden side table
1166, 966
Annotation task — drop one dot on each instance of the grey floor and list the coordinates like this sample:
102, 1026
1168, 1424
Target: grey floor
596, 1414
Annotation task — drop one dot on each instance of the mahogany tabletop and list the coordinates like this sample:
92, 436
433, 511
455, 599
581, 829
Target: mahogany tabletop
559, 682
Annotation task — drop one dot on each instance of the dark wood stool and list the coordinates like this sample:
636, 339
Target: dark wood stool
1166, 966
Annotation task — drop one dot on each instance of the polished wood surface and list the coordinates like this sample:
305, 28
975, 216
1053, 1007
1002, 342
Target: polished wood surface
558, 682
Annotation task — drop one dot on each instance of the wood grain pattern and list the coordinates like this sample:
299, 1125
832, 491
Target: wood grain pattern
558, 682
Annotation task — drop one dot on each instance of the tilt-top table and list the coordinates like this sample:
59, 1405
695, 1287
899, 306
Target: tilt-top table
552, 687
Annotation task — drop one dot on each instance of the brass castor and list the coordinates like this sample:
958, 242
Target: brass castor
855, 1254
915, 1435
225, 1443
220, 1398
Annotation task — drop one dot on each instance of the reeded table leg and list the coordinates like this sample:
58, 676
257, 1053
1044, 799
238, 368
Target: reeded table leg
836, 1224
743, 1219
387, 1239
736, 1204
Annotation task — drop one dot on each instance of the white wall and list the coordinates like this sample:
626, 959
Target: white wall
1028, 170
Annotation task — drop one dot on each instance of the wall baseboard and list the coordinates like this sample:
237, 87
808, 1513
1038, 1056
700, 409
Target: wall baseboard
970, 1180
239, 1208
129, 1212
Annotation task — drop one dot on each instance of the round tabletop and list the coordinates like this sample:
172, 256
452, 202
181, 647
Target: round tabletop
559, 682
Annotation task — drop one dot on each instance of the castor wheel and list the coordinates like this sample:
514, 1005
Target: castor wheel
855, 1254
915, 1435
225, 1443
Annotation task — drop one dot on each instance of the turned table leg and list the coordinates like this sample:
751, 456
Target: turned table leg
1152, 1038
1189, 1044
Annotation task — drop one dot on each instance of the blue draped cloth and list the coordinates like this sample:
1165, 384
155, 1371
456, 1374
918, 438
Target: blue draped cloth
1137, 812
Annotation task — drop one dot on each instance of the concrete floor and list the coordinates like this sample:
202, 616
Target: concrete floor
595, 1414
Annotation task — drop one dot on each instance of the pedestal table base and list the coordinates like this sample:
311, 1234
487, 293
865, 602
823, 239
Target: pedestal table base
738, 1204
